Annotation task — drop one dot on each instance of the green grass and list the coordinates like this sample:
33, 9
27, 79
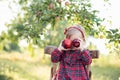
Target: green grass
15, 68
38, 68
106, 68
21, 70
105, 73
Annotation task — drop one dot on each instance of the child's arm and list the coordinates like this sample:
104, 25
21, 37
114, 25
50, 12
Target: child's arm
56, 55
86, 58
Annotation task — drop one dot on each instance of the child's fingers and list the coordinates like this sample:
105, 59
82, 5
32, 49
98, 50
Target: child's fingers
61, 47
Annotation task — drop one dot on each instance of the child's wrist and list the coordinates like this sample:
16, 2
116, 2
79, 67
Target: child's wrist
59, 49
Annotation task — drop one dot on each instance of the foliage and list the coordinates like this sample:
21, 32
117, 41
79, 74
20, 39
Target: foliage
42, 21
4, 77
8, 45
11, 47
113, 36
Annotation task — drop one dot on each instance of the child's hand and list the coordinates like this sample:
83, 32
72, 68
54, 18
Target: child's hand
60, 47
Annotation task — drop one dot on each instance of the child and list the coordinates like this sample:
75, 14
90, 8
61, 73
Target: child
72, 56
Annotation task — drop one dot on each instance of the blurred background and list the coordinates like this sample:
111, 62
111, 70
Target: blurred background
28, 26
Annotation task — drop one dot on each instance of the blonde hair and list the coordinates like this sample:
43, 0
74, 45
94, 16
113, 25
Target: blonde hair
76, 30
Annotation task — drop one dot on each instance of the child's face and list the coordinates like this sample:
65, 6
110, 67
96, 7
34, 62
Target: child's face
75, 34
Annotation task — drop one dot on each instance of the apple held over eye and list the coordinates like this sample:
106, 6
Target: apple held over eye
76, 43
67, 43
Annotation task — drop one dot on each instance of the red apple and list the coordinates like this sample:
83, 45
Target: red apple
76, 43
67, 43
67, 3
51, 6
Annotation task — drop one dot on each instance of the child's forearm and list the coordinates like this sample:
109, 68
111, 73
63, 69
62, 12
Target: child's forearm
56, 56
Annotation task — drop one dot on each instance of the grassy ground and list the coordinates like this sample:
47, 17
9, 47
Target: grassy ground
24, 70
106, 68
23, 67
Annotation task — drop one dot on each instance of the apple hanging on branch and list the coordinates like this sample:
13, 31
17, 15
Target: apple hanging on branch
59, 1
51, 6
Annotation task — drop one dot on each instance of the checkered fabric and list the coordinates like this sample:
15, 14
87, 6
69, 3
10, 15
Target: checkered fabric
72, 64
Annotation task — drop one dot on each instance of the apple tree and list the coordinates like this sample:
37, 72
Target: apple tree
42, 22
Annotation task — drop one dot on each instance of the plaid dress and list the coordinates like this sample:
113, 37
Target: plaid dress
72, 64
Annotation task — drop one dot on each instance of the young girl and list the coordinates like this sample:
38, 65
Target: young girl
72, 56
